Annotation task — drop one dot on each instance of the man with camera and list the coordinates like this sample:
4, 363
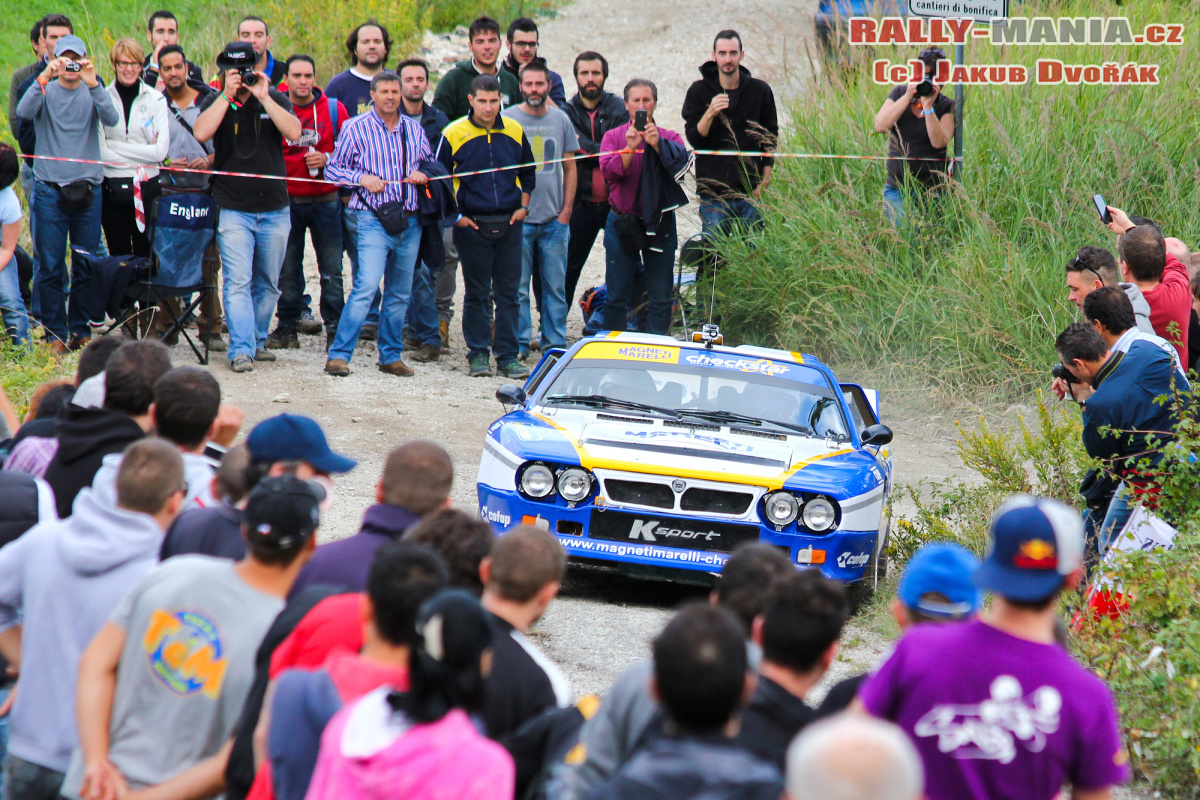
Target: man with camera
919, 122
66, 197
1124, 427
248, 122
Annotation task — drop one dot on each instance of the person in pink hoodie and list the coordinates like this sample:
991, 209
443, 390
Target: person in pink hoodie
423, 744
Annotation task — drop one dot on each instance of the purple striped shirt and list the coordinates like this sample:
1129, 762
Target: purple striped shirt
32, 455
366, 147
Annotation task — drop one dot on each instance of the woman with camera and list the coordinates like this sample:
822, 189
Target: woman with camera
919, 122
138, 139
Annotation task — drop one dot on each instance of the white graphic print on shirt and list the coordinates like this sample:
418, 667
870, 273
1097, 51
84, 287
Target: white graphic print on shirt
991, 729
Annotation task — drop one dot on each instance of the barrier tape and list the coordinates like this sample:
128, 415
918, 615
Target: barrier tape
731, 153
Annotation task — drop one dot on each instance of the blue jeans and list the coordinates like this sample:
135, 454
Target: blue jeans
1120, 509
350, 246
716, 216
622, 268
893, 204
54, 225
422, 321
386, 257
12, 307
252, 247
490, 269
323, 219
546, 242
27, 781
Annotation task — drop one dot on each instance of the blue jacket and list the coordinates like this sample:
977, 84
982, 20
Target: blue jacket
466, 147
683, 767
1125, 401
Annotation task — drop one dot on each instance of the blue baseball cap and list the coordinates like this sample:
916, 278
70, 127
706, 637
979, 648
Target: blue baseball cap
1035, 544
943, 569
291, 437
70, 44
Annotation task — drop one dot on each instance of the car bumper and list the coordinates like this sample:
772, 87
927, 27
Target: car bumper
842, 555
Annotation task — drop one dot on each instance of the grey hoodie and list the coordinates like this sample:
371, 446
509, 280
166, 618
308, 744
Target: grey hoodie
197, 471
1141, 306
62, 580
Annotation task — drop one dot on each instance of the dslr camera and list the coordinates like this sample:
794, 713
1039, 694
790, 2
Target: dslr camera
925, 88
239, 56
1059, 371
249, 77
73, 66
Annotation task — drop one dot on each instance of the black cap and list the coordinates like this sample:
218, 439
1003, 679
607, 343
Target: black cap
237, 54
283, 512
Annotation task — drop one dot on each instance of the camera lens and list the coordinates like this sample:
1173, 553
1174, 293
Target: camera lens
924, 88
249, 78
74, 66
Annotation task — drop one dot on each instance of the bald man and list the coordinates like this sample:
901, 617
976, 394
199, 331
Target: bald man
853, 757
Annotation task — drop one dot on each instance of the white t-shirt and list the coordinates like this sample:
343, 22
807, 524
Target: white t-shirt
10, 206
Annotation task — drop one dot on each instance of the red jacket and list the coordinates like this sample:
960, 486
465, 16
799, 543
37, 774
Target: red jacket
314, 116
1171, 301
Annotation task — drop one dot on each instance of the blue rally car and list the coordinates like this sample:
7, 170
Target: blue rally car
660, 457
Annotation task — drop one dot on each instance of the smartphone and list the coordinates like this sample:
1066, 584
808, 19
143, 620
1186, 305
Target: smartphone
639, 121
1102, 209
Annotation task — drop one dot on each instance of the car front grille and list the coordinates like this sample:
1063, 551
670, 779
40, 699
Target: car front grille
640, 493
714, 501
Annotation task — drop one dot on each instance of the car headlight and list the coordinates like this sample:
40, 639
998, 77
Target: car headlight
574, 484
781, 508
819, 515
537, 480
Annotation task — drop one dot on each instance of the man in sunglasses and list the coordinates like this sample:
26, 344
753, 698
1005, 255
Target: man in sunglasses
919, 122
1094, 268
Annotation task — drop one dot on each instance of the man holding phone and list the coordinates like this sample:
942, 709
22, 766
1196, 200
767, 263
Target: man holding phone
919, 122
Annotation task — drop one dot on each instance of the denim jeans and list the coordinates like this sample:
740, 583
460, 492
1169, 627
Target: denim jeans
350, 246
252, 247
547, 242
26, 781
490, 269
54, 225
12, 307
422, 319
621, 270
587, 220
893, 204
1120, 509
323, 219
386, 257
718, 216
897, 202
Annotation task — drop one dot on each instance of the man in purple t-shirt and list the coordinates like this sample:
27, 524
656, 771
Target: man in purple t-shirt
996, 709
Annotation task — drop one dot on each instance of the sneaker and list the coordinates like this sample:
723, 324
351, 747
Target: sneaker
513, 369
216, 342
283, 339
444, 330
398, 368
242, 364
481, 367
263, 355
425, 352
338, 367
307, 325
369, 333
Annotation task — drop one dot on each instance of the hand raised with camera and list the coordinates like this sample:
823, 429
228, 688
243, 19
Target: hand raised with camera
233, 82
651, 134
88, 73
928, 100
261, 86
1120, 221
633, 138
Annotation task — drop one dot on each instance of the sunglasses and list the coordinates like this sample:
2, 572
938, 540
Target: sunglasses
1077, 265
932, 52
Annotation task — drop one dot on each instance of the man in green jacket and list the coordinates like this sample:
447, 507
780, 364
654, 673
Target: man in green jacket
484, 43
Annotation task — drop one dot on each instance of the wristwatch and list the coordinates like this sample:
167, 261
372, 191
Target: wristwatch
525, 208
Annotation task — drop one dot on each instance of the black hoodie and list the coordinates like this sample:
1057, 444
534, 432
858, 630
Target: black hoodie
749, 123
85, 437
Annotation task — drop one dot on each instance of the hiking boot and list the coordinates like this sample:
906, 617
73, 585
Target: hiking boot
263, 355
58, 347
481, 367
444, 330
338, 367
398, 368
513, 369
307, 325
411, 343
369, 333
423, 353
77, 342
216, 342
283, 339
242, 364
161, 335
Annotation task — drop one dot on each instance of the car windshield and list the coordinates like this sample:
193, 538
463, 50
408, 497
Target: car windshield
716, 387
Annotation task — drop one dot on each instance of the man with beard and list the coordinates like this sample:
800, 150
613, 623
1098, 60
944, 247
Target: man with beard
162, 31
523, 49
544, 237
727, 109
254, 30
593, 112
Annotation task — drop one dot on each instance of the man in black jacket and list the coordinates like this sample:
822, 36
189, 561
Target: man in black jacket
593, 112
727, 109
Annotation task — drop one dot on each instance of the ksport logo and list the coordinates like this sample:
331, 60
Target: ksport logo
650, 531
851, 560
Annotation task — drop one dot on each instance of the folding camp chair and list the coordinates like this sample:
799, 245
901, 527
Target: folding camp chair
182, 228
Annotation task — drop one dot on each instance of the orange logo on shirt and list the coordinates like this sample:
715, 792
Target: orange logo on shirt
1036, 554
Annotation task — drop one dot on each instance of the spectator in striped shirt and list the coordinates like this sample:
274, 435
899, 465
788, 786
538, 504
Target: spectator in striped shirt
381, 151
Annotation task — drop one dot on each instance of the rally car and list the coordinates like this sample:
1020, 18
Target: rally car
659, 457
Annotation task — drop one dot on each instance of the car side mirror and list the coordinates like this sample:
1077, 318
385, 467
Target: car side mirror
512, 395
878, 435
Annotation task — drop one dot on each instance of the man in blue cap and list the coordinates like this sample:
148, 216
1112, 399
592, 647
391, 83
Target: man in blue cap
996, 707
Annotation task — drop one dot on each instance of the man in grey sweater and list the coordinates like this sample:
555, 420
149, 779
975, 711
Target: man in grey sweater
67, 105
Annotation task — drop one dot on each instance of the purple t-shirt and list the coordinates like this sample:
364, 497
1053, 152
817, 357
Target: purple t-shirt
997, 717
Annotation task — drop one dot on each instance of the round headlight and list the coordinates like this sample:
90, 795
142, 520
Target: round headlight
574, 484
781, 508
819, 515
537, 480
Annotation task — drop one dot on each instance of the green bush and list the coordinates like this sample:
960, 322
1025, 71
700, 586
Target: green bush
23, 369
973, 296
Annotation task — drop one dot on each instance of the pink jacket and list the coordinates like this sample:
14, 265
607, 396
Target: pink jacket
369, 752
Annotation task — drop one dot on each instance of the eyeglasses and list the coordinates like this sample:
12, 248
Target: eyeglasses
525, 45
129, 64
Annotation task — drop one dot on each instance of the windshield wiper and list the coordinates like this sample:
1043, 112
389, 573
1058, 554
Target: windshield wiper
600, 401
732, 417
